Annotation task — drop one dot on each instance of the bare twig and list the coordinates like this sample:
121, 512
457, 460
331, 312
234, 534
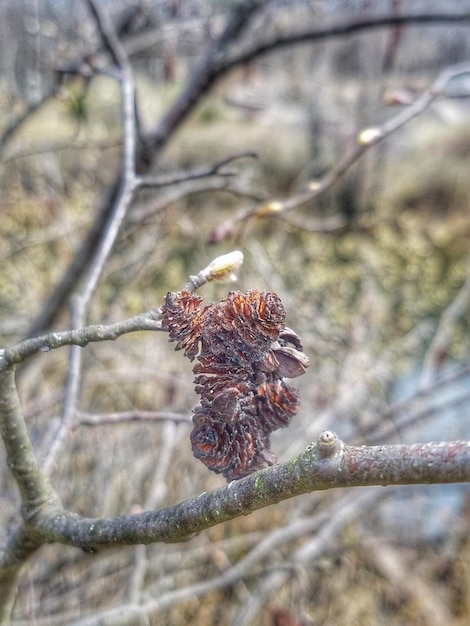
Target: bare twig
202, 79
437, 352
423, 403
223, 267
411, 585
150, 208
128, 181
366, 139
101, 419
343, 512
81, 337
195, 174
156, 494
22, 152
71, 395
90, 259
16, 123
128, 184
341, 29
325, 527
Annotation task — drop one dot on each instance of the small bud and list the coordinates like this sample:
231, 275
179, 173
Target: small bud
328, 443
223, 267
369, 136
313, 185
269, 208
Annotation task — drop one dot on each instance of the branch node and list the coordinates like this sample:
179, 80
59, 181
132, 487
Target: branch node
328, 444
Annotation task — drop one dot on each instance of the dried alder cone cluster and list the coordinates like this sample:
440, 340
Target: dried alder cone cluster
244, 351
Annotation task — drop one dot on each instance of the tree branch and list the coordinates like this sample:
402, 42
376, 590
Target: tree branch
194, 174
342, 29
80, 337
101, 419
37, 494
326, 464
366, 139
91, 257
201, 80
437, 351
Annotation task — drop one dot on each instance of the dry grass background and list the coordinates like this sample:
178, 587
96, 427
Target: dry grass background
365, 301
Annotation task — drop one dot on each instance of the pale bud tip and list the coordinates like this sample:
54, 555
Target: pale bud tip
224, 267
269, 208
368, 136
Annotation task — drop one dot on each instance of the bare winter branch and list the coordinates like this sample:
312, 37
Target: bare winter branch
326, 464
217, 169
202, 79
79, 337
353, 295
342, 29
437, 351
366, 139
87, 419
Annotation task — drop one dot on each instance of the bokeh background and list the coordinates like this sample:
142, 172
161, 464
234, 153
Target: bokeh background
371, 271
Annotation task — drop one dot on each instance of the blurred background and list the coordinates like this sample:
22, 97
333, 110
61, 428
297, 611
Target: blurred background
373, 273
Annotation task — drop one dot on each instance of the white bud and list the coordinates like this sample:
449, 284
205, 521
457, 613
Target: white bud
223, 267
369, 136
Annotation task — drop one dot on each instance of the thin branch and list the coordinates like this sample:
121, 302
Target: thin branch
366, 139
323, 526
423, 403
151, 208
437, 351
217, 63
165, 180
343, 512
127, 175
202, 78
16, 123
81, 337
71, 394
223, 267
127, 185
410, 584
157, 492
102, 419
108, 35
91, 257
57, 146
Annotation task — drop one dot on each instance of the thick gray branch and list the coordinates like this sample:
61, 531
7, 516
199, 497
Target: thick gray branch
34, 487
327, 464
36, 492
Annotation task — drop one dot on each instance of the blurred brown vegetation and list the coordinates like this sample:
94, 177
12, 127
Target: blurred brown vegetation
366, 300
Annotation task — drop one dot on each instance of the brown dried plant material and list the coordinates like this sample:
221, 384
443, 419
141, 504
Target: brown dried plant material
241, 345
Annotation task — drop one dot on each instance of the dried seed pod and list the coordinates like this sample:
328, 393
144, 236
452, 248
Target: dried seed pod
242, 352
291, 362
182, 316
276, 404
234, 450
